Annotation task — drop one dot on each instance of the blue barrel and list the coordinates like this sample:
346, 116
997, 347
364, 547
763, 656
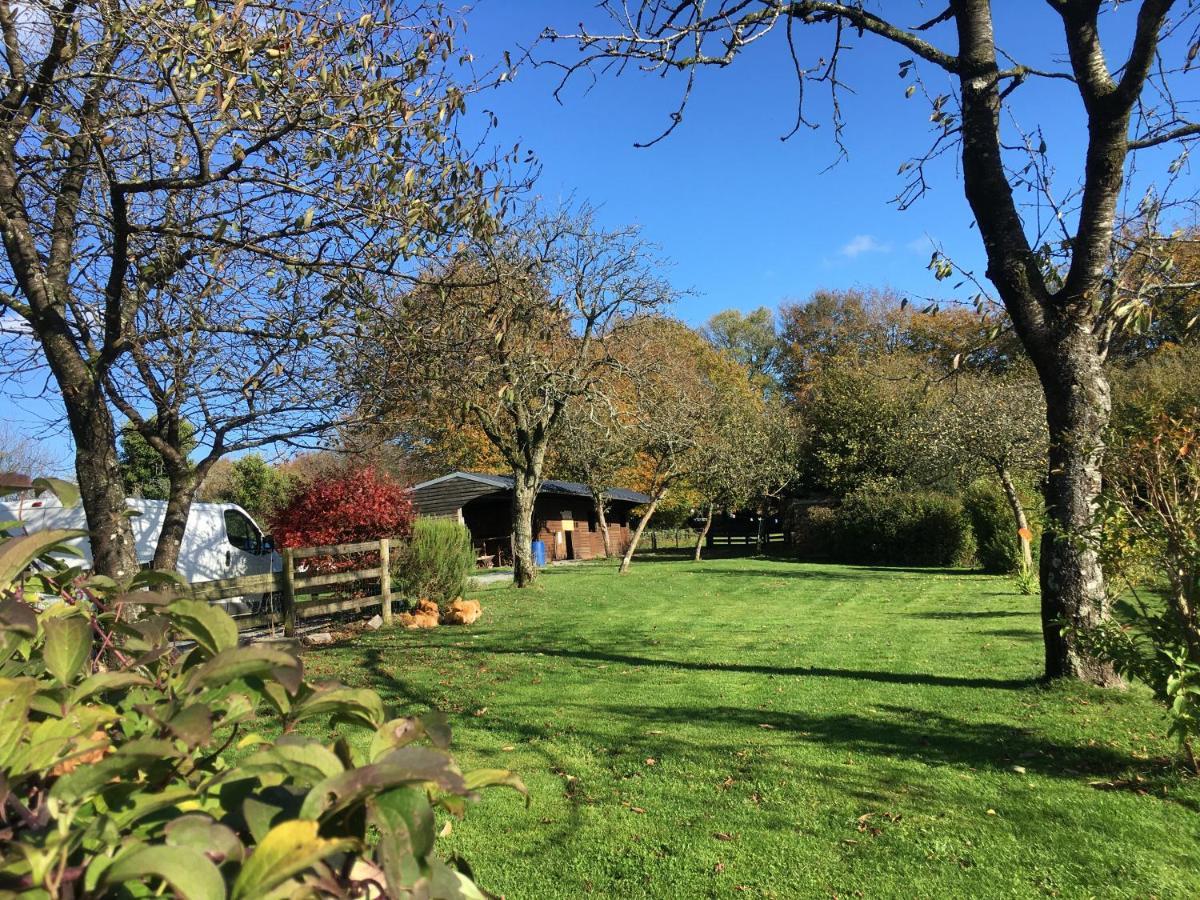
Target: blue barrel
539, 553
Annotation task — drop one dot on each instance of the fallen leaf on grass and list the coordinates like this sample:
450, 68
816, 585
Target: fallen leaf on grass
651, 761
719, 868
766, 726
636, 809
446, 829
723, 836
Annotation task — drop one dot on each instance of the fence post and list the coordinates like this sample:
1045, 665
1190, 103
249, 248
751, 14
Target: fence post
385, 579
289, 594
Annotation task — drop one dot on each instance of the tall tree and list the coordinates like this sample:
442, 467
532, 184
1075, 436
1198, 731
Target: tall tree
594, 448
24, 456
142, 466
749, 338
685, 394
522, 324
995, 425
223, 151
1049, 271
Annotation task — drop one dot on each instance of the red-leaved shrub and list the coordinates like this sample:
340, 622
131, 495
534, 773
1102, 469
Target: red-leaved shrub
346, 508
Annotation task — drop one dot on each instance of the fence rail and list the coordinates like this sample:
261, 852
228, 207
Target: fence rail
293, 582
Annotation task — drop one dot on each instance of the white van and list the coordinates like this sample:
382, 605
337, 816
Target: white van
221, 540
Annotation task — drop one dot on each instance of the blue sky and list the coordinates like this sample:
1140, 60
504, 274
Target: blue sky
748, 219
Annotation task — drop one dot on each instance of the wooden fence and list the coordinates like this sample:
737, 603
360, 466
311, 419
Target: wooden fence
294, 582
685, 538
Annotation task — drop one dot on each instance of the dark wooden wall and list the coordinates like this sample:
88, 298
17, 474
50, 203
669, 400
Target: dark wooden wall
490, 523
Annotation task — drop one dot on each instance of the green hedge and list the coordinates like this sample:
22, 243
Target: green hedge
996, 548
436, 562
916, 529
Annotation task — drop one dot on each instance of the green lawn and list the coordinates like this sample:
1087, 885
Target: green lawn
753, 728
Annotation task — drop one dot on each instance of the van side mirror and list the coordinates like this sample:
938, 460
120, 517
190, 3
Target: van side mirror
268, 543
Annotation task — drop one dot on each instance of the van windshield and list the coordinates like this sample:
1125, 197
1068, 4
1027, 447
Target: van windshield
241, 532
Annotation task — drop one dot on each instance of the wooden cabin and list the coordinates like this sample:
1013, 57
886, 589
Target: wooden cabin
564, 515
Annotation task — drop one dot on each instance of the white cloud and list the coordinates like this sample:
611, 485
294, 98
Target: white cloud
865, 243
922, 246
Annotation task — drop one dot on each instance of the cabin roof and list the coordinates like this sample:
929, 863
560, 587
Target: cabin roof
477, 484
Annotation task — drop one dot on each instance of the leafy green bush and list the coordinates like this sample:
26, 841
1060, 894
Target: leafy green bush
810, 528
114, 766
1148, 538
437, 561
996, 547
883, 528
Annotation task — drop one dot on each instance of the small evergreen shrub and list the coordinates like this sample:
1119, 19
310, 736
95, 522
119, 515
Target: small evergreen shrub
996, 548
890, 528
437, 561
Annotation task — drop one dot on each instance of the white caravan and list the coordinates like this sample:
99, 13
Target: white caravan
221, 540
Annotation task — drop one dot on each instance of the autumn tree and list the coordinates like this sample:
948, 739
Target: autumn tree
1048, 263
595, 448
831, 325
521, 324
749, 338
685, 393
994, 425
863, 424
749, 458
176, 180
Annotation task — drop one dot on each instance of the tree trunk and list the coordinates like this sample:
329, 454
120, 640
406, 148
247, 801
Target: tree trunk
1073, 590
182, 491
703, 535
524, 496
759, 534
1022, 523
97, 466
602, 519
637, 534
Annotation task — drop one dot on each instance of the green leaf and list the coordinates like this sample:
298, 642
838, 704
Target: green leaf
188, 871
66, 492
288, 849
301, 759
216, 841
239, 662
106, 681
447, 882
409, 765
210, 627
351, 704
405, 822
17, 553
18, 617
68, 646
192, 725
16, 694
477, 779
132, 756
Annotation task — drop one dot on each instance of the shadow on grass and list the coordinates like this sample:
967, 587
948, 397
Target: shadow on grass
752, 669
913, 733
976, 614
